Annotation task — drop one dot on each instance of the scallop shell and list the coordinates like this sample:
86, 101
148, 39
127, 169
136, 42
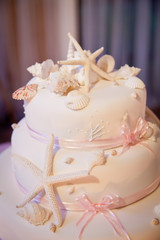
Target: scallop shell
77, 100
106, 63
34, 213
25, 92
135, 83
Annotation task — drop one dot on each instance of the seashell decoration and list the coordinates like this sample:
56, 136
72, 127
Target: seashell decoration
149, 133
106, 63
35, 70
71, 189
135, 83
61, 81
155, 221
134, 95
125, 117
26, 92
43, 69
77, 100
34, 213
153, 132
125, 72
98, 160
47, 67
69, 160
14, 126
114, 152
52, 227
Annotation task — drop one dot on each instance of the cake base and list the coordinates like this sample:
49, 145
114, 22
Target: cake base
136, 218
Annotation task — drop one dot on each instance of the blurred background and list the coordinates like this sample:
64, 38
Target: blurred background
35, 30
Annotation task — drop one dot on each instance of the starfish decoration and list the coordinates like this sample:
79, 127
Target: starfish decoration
48, 181
87, 59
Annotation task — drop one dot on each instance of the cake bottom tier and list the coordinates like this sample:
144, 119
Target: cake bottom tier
137, 218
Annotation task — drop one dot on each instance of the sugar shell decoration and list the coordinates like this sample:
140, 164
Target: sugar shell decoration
71, 189
155, 221
77, 100
149, 133
98, 160
134, 95
62, 81
69, 160
52, 227
125, 72
106, 63
135, 83
42, 70
26, 92
34, 213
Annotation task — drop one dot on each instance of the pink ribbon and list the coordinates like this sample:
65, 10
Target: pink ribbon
134, 137
104, 207
126, 138
110, 202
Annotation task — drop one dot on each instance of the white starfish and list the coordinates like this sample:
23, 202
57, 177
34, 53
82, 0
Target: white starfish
88, 61
48, 180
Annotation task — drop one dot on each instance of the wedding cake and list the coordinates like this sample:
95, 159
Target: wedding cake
86, 156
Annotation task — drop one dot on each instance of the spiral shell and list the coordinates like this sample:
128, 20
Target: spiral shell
26, 92
34, 213
70, 53
135, 83
106, 63
77, 100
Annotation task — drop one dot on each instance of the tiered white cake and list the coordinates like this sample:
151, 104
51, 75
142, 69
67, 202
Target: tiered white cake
88, 150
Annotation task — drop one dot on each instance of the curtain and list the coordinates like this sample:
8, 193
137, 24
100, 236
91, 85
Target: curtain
129, 31
30, 31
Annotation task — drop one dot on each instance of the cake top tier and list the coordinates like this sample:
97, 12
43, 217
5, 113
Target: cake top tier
82, 100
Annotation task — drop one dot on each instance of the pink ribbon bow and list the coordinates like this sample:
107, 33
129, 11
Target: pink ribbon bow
104, 207
132, 138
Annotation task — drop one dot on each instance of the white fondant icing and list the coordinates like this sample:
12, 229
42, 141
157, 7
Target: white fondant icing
135, 169
46, 117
